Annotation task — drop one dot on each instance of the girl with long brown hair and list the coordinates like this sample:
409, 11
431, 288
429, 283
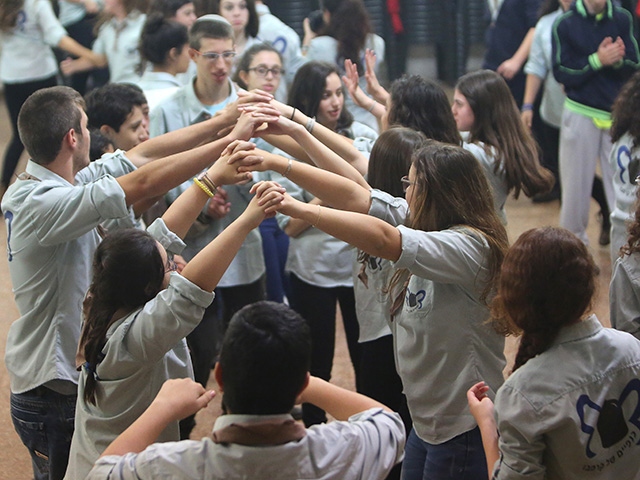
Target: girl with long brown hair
447, 245
484, 107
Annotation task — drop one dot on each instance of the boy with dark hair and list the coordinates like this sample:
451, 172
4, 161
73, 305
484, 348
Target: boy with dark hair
119, 111
263, 370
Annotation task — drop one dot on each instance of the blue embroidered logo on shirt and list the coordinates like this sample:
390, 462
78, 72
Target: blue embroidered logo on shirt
414, 300
609, 423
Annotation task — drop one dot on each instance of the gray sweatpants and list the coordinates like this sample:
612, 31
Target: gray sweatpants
582, 144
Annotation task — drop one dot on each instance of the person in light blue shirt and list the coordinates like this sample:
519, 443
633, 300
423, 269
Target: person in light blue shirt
52, 214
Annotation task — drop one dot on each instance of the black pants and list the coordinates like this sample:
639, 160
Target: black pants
15, 95
379, 380
317, 305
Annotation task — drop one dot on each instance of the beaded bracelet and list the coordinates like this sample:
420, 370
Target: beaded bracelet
203, 187
526, 107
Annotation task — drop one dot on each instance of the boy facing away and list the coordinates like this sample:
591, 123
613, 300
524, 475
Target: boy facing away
263, 371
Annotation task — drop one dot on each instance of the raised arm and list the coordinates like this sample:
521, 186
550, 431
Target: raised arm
185, 209
340, 144
194, 135
337, 402
160, 176
332, 189
352, 84
208, 266
370, 234
321, 155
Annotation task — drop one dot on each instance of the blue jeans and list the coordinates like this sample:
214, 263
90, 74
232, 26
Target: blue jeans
275, 245
461, 458
44, 421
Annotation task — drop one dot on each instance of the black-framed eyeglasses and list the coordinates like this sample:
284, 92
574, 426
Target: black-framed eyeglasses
263, 71
406, 183
214, 56
171, 265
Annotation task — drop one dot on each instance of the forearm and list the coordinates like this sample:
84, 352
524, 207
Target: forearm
369, 234
525, 47
531, 89
208, 266
340, 144
338, 402
296, 226
89, 58
177, 141
184, 210
489, 434
162, 175
327, 159
332, 189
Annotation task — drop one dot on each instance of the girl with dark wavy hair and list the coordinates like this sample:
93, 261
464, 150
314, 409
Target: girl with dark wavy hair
569, 408
446, 243
138, 311
484, 107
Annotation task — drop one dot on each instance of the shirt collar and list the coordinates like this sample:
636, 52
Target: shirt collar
583, 329
225, 420
43, 173
582, 10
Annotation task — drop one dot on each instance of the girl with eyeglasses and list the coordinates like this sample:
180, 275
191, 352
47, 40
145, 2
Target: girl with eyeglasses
261, 67
446, 243
138, 311
569, 409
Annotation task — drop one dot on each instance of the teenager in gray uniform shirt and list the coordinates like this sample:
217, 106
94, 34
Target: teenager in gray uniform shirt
569, 410
446, 263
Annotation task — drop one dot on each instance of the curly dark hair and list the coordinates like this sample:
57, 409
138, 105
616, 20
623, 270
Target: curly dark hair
625, 111
547, 281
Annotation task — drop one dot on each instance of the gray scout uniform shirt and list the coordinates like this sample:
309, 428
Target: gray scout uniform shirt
624, 294
571, 413
363, 448
51, 238
442, 343
143, 350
